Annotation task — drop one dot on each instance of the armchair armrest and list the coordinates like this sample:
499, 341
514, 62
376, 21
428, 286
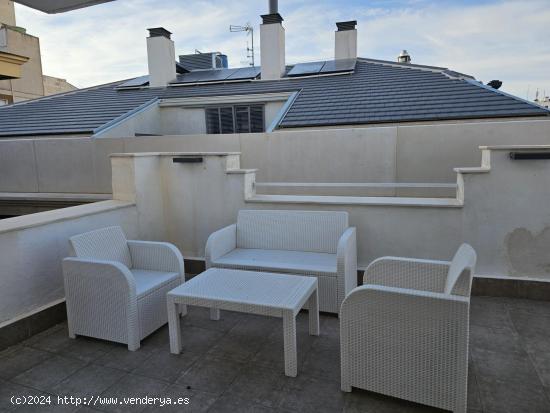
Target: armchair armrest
416, 274
101, 295
220, 243
346, 261
156, 256
100, 274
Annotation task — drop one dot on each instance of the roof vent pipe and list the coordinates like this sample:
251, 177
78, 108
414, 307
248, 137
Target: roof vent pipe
345, 40
404, 57
273, 6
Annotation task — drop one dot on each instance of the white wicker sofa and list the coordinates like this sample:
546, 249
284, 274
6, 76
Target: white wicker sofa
315, 243
404, 333
116, 289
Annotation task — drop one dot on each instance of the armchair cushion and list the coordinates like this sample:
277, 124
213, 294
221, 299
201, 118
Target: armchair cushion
147, 281
295, 262
107, 244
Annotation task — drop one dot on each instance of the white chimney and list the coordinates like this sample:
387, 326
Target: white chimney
272, 45
345, 40
161, 57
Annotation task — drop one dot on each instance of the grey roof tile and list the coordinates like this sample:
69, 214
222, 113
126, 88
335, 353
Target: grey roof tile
376, 92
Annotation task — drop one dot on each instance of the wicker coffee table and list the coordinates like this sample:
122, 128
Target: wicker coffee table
275, 295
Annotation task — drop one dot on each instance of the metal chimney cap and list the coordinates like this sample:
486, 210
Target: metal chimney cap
349, 25
159, 32
404, 57
271, 18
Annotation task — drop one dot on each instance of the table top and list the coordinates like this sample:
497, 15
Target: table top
248, 287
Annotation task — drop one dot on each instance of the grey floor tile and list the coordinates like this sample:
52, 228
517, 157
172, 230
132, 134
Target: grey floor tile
498, 396
87, 349
237, 347
474, 398
322, 361
259, 385
166, 366
538, 350
21, 360
200, 317
157, 341
123, 359
361, 401
199, 340
47, 374
211, 375
271, 352
531, 325
489, 312
54, 340
89, 381
229, 403
502, 339
312, 395
132, 386
535, 307
183, 400
508, 367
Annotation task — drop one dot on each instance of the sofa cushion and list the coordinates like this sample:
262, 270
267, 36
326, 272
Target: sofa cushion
147, 280
312, 231
292, 262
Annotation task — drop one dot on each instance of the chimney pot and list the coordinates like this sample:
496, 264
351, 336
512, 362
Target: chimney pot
349, 25
404, 57
272, 18
159, 31
273, 6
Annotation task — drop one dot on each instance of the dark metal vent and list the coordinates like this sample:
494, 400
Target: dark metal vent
272, 18
520, 156
349, 25
159, 32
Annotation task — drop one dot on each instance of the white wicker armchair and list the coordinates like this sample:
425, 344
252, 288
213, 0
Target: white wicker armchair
116, 289
404, 333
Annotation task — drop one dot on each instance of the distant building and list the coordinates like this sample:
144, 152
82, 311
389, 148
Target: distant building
21, 76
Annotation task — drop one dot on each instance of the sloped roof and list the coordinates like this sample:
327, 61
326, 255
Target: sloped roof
377, 92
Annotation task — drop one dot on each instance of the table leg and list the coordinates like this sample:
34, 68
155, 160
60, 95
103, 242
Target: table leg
291, 356
174, 327
313, 305
214, 314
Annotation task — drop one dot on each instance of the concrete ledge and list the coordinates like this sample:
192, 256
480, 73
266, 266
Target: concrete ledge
53, 196
48, 217
358, 200
145, 154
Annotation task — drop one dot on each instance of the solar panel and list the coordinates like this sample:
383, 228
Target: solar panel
138, 81
218, 75
304, 69
245, 73
340, 65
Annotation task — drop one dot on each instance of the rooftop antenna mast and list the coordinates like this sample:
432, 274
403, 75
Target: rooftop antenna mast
249, 31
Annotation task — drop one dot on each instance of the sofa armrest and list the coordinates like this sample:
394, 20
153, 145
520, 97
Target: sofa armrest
220, 243
409, 273
157, 256
346, 261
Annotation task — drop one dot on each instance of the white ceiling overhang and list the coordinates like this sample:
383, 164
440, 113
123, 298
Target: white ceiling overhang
59, 6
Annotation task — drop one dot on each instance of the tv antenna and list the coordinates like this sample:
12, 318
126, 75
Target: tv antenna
249, 31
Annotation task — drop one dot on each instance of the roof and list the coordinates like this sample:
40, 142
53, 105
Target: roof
376, 92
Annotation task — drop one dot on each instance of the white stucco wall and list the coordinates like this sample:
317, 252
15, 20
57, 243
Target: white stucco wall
33, 246
420, 153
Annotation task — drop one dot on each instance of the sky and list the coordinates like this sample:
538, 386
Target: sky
505, 40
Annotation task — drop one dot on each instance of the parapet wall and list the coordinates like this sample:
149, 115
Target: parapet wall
415, 153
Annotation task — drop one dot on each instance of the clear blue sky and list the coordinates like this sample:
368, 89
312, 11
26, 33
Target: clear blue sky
506, 40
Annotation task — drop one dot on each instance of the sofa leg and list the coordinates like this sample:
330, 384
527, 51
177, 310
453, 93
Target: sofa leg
133, 346
182, 310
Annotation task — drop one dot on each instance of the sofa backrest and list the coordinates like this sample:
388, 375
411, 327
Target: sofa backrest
312, 231
461, 271
103, 244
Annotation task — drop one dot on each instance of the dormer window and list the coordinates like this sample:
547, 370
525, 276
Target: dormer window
235, 119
